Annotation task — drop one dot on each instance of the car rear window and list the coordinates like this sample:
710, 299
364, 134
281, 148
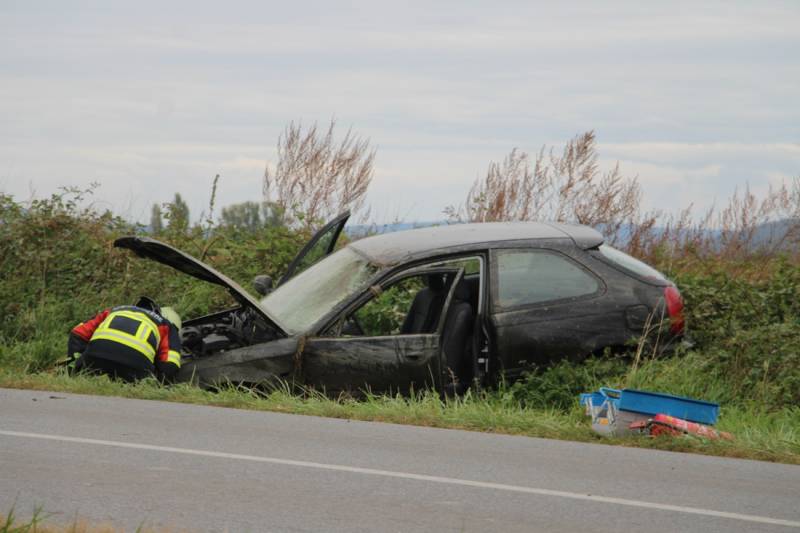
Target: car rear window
631, 264
527, 277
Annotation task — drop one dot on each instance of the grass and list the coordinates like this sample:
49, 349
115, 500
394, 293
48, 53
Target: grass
759, 434
40, 522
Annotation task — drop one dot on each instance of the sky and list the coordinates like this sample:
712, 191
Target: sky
152, 98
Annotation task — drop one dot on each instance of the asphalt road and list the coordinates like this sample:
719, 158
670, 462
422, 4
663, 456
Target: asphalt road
134, 462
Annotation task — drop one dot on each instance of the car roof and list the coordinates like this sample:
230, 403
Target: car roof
391, 248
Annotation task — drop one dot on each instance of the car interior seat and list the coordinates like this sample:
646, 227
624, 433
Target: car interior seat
457, 339
423, 316
473, 281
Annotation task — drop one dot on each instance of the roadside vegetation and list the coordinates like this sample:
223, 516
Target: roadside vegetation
742, 293
41, 521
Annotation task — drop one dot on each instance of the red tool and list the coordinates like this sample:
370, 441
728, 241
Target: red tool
670, 425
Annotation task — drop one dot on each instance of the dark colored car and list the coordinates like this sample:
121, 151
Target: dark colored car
434, 307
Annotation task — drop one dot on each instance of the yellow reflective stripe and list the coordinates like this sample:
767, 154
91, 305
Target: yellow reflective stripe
174, 358
128, 340
144, 332
130, 314
138, 341
140, 317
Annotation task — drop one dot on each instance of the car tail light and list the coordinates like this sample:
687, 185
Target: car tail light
672, 297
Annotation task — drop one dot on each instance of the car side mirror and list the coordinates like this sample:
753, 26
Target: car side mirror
263, 284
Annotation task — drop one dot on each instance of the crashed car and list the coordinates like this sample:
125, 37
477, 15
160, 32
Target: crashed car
441, 307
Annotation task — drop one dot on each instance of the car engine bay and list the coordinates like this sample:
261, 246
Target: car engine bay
219, 332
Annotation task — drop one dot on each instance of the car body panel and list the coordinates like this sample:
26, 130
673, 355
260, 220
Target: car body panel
396, 363
567, 330
403, 246
266, 362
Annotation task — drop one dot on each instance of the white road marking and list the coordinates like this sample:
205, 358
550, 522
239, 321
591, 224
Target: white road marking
416, 477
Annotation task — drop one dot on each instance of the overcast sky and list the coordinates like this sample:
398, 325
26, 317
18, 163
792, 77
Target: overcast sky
153, 98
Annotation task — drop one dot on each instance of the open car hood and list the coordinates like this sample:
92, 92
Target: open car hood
167, 255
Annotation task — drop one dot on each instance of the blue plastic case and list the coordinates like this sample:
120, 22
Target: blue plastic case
654, 403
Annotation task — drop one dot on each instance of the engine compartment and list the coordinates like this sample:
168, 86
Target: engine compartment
225, 330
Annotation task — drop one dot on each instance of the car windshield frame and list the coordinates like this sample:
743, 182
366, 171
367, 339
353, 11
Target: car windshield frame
307, 298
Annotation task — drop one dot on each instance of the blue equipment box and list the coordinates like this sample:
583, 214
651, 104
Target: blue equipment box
597, 398
655, 403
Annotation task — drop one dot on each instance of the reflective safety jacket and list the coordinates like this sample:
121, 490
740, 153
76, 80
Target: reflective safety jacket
133, 337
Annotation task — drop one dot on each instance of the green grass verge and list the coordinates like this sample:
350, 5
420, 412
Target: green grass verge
43, 522
759, 434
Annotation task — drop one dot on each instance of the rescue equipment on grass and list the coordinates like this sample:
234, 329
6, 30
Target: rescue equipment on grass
620, 412
670, 425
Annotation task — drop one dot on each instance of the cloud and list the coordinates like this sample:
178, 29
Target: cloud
649, 174
672, 151
154, 98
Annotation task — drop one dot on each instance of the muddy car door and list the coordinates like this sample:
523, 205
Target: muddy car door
389, 339
321, 244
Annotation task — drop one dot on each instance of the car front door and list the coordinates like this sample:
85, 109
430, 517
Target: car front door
321, 244
352, 357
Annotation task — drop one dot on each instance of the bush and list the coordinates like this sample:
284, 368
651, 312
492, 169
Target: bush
59, 267
559, 385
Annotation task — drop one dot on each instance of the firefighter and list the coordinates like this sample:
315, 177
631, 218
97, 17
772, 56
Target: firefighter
129, 342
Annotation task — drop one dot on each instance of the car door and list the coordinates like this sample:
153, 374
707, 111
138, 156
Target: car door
379, 363
321, 244
544, 306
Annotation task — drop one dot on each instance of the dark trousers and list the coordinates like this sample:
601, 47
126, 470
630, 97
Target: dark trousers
114, 370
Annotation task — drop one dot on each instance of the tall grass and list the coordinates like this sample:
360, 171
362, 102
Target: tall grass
569, 186
43, 522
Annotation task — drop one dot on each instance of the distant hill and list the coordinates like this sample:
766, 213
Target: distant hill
774, 233
769, 235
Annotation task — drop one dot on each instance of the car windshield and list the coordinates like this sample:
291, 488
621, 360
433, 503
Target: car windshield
300, 302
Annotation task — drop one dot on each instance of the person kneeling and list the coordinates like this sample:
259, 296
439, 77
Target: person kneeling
129, 342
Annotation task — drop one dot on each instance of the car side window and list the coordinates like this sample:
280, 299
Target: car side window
527, 277
410, 306
386, 313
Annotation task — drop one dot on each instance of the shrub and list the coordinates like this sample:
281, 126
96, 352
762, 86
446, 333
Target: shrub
570, 187
59, 267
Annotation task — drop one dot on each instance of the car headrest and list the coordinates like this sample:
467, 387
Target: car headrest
462, 292
436, 282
